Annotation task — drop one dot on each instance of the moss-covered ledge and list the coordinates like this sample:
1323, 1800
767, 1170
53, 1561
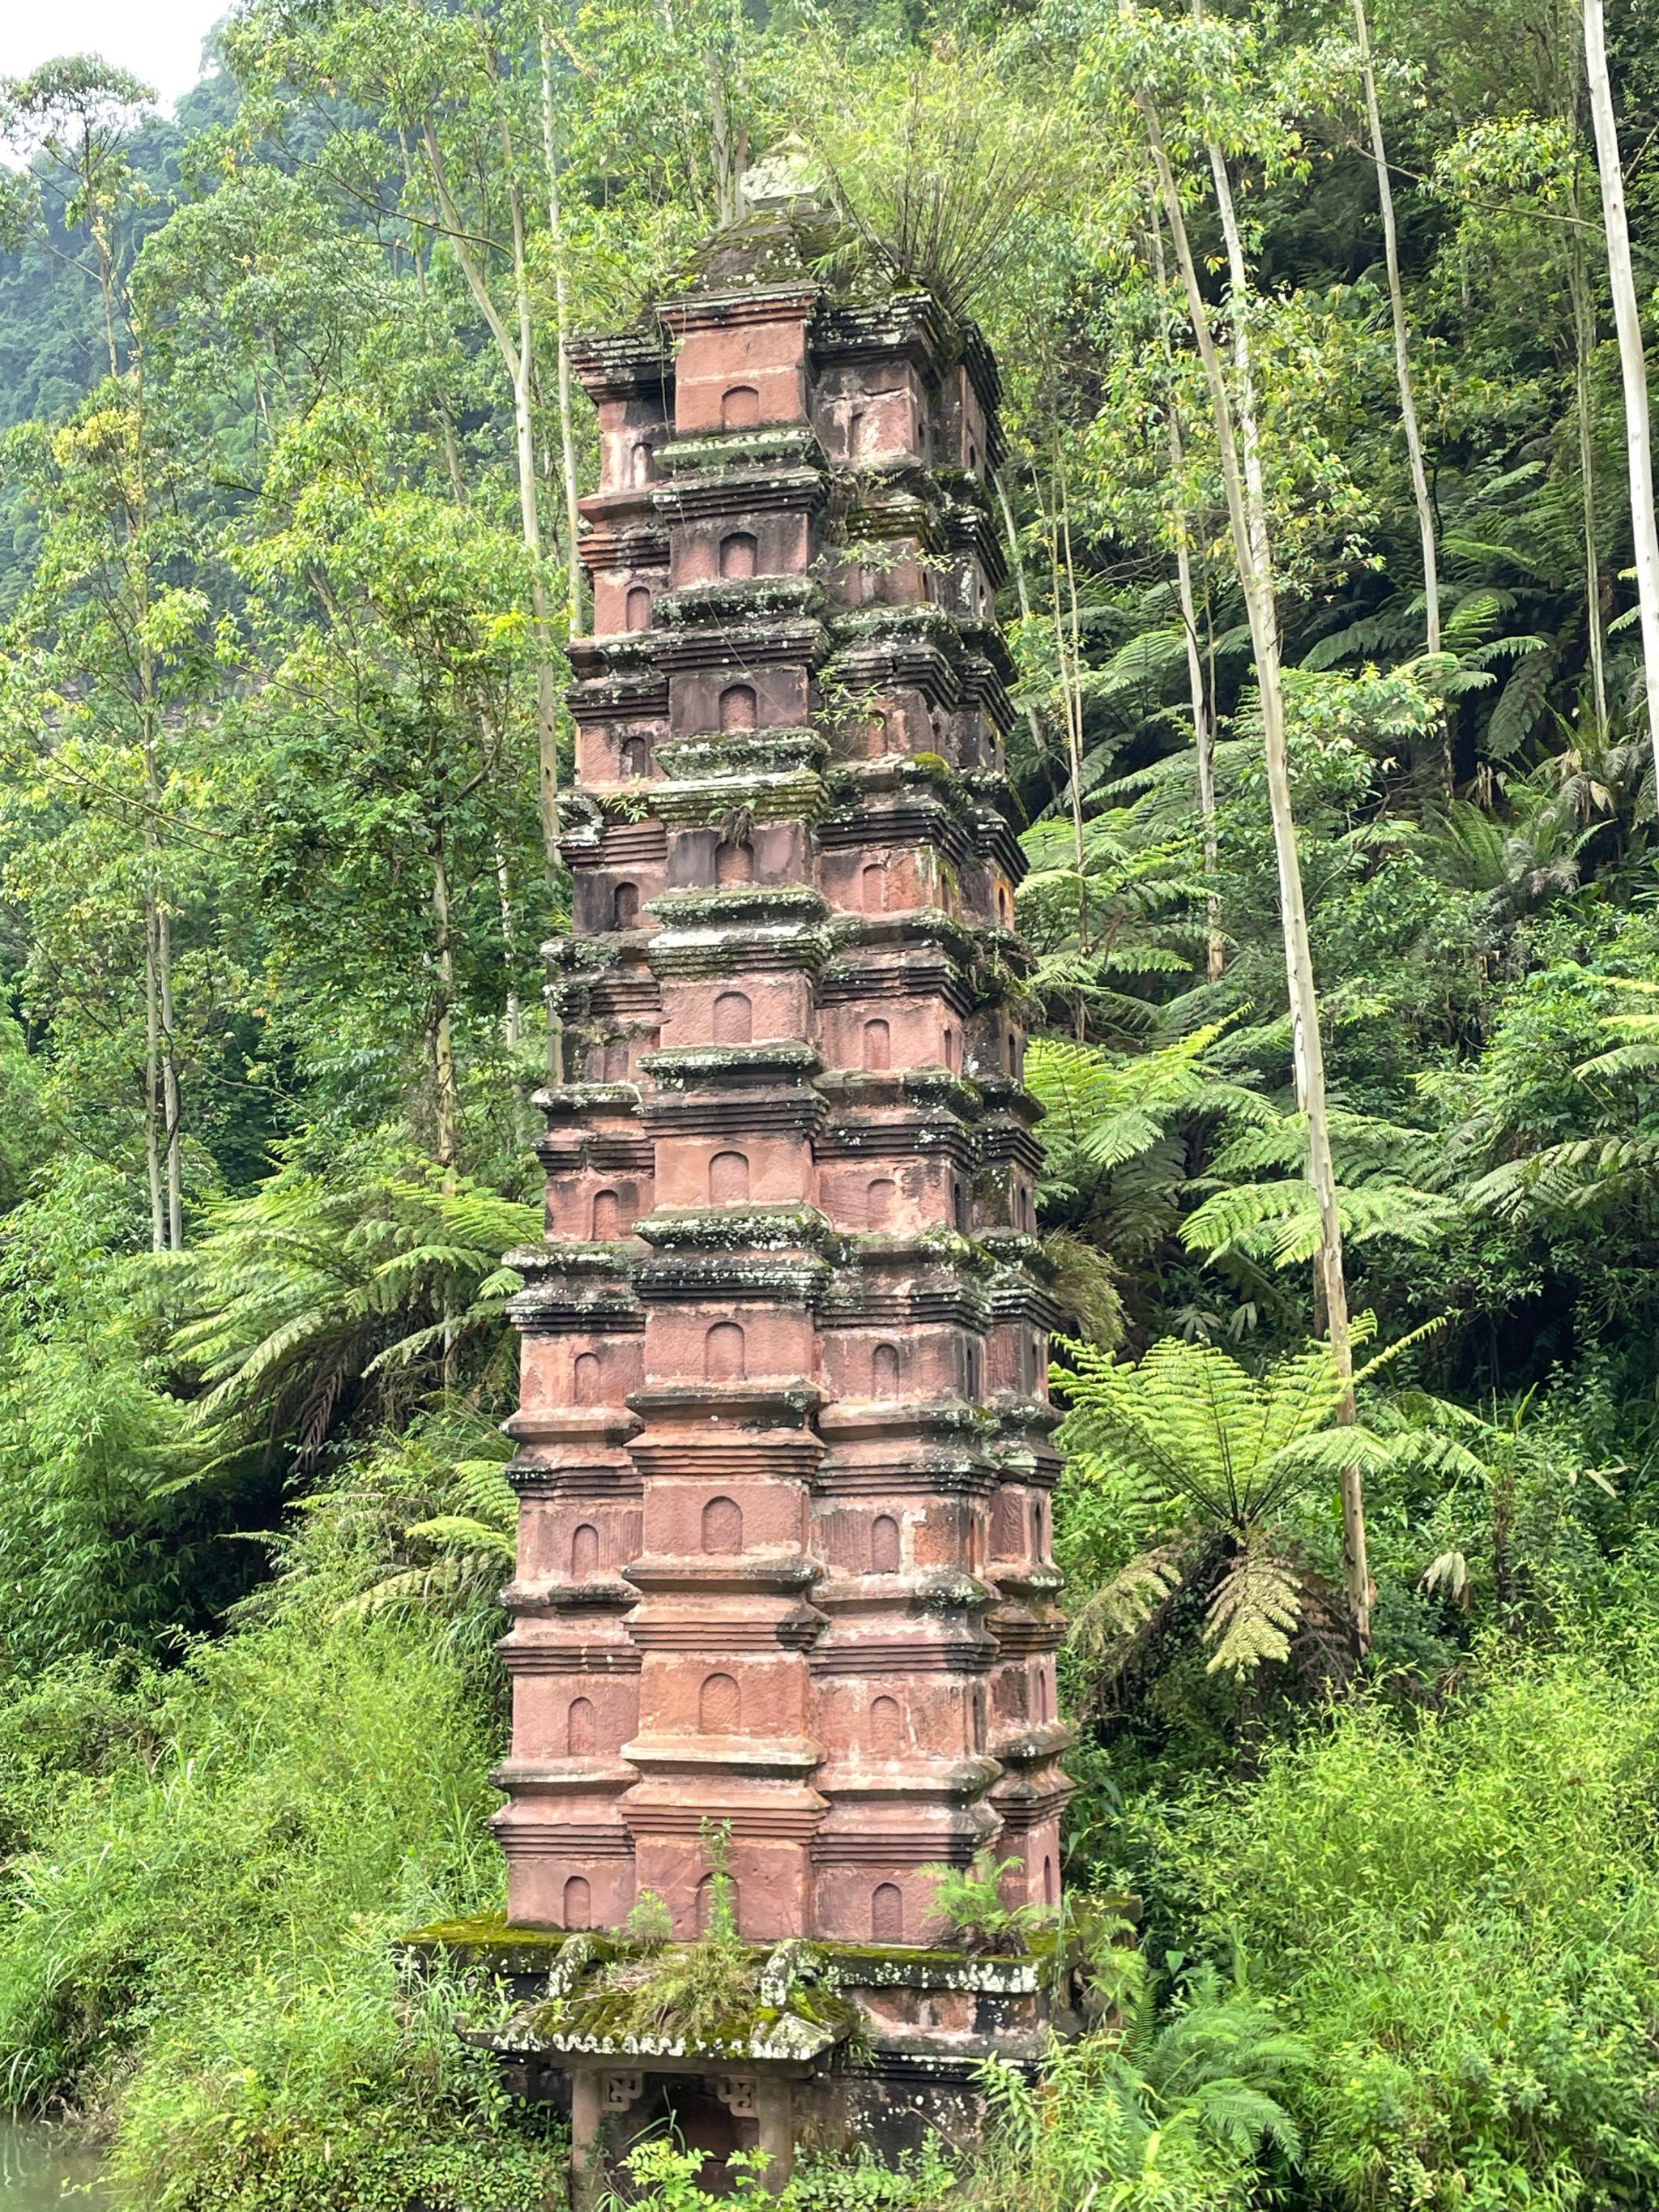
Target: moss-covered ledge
599, 1994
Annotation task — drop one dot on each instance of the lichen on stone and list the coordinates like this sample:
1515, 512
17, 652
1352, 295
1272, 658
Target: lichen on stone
730, 1228
738, 599
735, 449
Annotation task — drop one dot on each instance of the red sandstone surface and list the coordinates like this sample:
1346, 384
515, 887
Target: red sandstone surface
783, 1445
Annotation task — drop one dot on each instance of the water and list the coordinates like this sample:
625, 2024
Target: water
44, 2170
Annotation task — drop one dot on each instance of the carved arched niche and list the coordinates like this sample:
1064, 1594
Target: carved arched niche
739, 552
720, 1706
728, 1179
739, 707
885, 1549
722, 1527
722, 1352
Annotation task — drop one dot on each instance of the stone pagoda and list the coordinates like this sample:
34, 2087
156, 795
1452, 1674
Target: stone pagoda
784, 1568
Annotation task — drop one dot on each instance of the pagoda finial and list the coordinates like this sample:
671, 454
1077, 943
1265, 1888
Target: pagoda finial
788, 178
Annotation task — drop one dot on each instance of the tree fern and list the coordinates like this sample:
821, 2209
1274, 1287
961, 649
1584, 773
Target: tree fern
307, 1291
1231, 1450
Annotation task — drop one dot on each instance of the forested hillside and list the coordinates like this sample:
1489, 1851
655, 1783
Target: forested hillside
1335, 752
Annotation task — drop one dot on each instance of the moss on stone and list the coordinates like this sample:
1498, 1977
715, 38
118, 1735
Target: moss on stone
738, 449
741, 902
491, 1940
921, 621
742, 599
716, 753
737, 1228
725, 1065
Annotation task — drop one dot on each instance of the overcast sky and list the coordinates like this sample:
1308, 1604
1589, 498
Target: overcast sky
158, 40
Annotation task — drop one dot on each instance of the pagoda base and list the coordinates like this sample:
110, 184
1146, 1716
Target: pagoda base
840, 2047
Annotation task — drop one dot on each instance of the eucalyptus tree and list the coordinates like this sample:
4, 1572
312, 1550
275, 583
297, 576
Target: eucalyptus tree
422, 120
1179, 98
74, 116
388, 612
112, 662
1632, 355
1402, 355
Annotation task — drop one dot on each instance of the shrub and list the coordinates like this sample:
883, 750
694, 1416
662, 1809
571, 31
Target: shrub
203, 1931
1460, 1917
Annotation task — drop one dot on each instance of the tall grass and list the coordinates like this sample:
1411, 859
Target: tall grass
198, 1938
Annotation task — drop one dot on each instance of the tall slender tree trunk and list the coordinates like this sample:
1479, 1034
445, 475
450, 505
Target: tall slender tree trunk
158, 1226
443, 1039
1203, 735
170, 1080
1017, 564
1583, 349
1076, 714
1072, 698
509, 944
517, 359
1402, 354
1248, 520
561, 319
418, 263
1632, 360
547, 697
443, 1069
101, 239
158, 920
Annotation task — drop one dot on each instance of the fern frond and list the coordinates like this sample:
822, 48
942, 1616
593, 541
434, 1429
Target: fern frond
1256, 1605
1127, 1601
458, 1532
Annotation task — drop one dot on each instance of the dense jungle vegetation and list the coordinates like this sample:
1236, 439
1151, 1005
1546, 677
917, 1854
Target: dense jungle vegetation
284, 580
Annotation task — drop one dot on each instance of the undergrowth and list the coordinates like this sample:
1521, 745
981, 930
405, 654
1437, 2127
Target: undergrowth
197, 1945
1460, 1917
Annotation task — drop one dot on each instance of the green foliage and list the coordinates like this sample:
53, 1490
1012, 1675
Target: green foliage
1459, 1919
1206, 1448
348, 2092
1187, 2113
315, 1286
694, 1991
278, 645
208, 1873
969, 1900
667, 2178
112, 1514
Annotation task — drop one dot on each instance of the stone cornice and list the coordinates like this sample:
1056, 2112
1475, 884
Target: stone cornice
701, 310
622, 364
740, 645
731, 1066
